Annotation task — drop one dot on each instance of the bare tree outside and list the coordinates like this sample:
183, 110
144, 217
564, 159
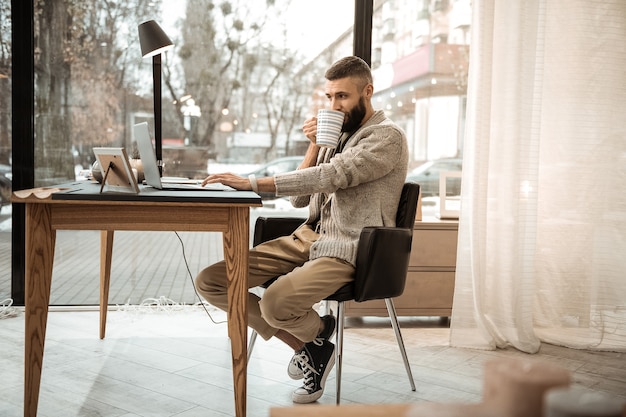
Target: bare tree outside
286, 95
240, 80
229, 62
83, 58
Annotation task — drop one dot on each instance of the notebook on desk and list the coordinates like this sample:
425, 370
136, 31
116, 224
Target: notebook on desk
151, 169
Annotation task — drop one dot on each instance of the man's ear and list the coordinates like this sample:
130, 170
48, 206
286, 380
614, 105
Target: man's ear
369, 91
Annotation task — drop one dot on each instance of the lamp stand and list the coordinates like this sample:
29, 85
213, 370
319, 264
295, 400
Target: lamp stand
158, 141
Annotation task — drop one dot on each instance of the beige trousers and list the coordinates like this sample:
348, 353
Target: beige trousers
288, 303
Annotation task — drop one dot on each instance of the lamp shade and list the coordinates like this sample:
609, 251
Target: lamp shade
152, 39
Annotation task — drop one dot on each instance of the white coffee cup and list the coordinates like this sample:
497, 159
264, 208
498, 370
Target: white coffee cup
329, 124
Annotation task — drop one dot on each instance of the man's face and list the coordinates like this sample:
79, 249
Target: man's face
344, 95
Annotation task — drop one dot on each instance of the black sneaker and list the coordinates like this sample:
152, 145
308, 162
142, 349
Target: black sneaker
330, 323
316, 360
293, 369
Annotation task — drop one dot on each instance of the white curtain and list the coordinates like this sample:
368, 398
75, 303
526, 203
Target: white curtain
542, 232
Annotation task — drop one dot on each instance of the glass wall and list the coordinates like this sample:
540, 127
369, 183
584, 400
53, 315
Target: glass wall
237, 85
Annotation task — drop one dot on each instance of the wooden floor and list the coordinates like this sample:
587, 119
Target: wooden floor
176, 362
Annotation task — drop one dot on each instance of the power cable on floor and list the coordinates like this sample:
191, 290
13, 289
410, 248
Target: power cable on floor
200, 301
6, 309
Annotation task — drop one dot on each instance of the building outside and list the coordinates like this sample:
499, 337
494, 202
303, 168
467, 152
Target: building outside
420, 57
420, 60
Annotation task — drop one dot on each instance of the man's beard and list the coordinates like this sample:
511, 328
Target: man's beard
355, 117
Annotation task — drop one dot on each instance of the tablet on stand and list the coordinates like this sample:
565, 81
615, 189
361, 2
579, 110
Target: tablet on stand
117, 173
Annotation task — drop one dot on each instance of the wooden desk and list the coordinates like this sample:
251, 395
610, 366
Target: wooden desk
80, 206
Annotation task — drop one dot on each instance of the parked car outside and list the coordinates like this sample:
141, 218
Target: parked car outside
276, 166
5, 184
427, 176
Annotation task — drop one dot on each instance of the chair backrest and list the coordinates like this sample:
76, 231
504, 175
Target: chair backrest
407, 207
268, 228
383, 253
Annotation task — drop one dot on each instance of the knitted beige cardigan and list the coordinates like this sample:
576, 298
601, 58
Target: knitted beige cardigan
346, 191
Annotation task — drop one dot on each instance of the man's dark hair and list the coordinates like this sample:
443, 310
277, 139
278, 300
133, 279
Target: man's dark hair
350, 66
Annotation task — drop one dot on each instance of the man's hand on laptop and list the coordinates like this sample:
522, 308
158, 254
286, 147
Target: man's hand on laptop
242, 183
230, 179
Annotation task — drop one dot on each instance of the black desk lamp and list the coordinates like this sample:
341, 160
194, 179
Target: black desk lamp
154, 41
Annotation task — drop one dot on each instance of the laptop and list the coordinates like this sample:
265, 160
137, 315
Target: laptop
151, 169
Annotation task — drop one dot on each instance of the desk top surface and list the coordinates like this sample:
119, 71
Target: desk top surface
88, 191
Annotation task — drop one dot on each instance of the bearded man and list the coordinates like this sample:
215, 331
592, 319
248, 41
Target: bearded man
347, 188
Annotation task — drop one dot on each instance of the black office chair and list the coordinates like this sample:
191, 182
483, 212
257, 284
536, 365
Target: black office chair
381, 267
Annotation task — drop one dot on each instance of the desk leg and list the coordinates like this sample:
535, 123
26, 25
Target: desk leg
40, 239
106, 253
236, 241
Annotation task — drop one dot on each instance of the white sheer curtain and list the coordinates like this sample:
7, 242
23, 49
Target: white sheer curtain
542, 233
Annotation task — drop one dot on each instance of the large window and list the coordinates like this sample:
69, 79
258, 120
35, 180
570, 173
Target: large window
237, 85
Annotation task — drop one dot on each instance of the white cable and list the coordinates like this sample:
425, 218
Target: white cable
201, 302
152, 305
6, 310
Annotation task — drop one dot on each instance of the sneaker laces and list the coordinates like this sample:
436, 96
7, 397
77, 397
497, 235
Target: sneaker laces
300, 358
303, 361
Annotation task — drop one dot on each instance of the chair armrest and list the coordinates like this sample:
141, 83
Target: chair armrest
381, 263
268, 228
